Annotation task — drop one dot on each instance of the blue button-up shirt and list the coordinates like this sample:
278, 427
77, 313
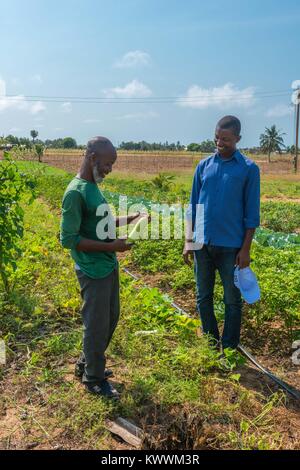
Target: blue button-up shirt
230, 192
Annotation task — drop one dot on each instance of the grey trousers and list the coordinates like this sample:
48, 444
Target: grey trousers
100, 315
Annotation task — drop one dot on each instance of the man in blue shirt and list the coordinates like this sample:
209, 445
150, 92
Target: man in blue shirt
227, 184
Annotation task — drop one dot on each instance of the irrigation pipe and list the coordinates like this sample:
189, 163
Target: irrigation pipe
269, 374
291, 390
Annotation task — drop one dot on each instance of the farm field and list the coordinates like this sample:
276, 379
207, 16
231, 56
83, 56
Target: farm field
165, 153
173, 386
150, 163
155, 162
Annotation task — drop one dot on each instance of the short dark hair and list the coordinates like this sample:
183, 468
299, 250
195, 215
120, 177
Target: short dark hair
230, 122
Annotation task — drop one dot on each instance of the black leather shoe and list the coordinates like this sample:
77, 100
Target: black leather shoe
79, 371
103, 389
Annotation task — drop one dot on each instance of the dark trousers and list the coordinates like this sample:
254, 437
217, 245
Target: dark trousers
207, 260
100, 315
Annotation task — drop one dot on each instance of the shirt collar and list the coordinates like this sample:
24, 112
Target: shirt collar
236, 155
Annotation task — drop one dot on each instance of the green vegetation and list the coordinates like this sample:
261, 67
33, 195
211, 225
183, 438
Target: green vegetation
39, 150
280, 188
173, 385
181, 402
14, 187
271, 141
34, 134
280, 217
22, 143
276, 269
207, 146
146, 146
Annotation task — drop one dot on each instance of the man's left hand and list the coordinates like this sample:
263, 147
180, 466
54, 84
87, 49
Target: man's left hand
138, 215
243, 258
132, 217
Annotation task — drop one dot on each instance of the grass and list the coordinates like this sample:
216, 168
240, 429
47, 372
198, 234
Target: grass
278, 187
281, 216
282, 187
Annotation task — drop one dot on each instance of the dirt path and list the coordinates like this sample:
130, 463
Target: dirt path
29, 422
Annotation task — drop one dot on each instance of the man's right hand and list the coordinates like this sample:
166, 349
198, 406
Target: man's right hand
120, 245
187, 255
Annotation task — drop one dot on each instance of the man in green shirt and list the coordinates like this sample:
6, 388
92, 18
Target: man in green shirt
94, 253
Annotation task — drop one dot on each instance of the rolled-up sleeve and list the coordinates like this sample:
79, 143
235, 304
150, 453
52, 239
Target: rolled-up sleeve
252, 198
71, 218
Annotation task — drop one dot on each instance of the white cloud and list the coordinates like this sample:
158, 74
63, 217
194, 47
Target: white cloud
134, 89
280, 110
133, 59
139, 116
18, 102
66, 107
37, 107
14, 129
224, 96
6, 102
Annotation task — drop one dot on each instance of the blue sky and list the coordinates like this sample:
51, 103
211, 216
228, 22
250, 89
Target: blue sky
221, 57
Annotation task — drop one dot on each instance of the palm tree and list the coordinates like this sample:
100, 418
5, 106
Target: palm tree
271, 141
34, 135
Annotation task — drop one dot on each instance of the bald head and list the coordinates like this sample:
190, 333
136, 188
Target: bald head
99, 157
99, 146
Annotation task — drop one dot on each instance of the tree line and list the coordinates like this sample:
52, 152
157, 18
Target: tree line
144, 146
271, 140
26, 142
205, 146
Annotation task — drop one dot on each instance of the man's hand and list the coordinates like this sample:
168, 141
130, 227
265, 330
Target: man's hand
138, 215
243, 258
120, 245
133, 216
187, 254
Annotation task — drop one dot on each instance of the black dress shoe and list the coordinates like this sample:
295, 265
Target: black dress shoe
103, 389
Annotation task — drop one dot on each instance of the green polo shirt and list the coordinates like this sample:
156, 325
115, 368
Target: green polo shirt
79, 220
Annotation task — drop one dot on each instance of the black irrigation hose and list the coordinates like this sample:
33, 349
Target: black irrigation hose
292, 391
281, 383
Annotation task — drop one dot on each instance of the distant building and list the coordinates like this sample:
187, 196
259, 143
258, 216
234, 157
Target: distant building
7, 146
